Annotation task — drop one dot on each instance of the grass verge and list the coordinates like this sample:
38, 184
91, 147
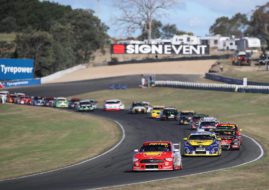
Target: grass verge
250, 111
253, 73
39, 139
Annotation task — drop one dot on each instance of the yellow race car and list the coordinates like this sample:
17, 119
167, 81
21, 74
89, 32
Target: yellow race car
156, 112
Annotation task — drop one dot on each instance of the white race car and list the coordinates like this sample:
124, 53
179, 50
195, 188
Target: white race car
140, 107
113, 105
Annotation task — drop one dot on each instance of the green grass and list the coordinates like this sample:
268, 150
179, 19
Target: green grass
39, 139
249, 111
253, 73
7, 37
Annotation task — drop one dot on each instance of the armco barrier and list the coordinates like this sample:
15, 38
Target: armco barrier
210, 86
26, 82
229, 80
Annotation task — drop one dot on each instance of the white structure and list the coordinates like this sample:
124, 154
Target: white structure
230, 43
249, 44
185, 39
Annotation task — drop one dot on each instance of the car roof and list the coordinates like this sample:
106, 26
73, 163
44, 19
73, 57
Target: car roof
203, 133
206, 119
113, 100
157, 142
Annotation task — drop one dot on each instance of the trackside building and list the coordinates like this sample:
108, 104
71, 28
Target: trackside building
17, 72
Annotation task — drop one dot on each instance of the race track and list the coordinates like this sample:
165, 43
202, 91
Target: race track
114, 167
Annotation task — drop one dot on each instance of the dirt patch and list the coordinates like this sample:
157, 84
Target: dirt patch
177, 67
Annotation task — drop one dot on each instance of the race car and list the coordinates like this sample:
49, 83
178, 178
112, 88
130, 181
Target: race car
156, 112
94, 103
169, 114
230, 135
38, 101
84, 105
17, 97
208, 123
113, 105
157, 156
73, 102
196, 119
11, 98
48, 101
24, 100
202, 144
3, 96
140, 107
185, 117
60, 102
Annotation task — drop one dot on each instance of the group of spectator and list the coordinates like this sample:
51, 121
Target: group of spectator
147, 80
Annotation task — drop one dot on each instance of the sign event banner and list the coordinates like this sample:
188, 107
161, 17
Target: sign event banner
12, 69
166, 49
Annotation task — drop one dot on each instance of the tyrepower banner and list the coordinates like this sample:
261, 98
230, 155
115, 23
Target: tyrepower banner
12, 69
166, 49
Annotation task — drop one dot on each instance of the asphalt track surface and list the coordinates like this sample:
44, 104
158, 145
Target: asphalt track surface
114, 168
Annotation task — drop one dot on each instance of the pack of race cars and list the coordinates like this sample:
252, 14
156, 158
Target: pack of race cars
208, 137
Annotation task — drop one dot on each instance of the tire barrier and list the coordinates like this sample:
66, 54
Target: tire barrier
118, 86
229, 80
216, 87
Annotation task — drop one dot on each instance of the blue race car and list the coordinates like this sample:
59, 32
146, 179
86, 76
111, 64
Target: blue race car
202, 144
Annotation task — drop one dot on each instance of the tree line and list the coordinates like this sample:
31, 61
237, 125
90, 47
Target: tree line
54, 35
257, 24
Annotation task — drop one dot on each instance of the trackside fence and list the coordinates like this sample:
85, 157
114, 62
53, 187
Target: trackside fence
229, 80
212, 86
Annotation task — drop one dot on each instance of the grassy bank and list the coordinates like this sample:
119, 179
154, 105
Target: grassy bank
39, 139
250, 111
253, 73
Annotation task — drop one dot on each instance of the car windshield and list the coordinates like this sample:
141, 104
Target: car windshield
137, 104
225, 133
170, 111
84, 103
156, 148
112, 102
61, 100
158, 108
207, 123
201, 137
187, 114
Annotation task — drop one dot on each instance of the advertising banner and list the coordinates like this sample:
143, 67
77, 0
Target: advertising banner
26, 82
12, 69
166, 49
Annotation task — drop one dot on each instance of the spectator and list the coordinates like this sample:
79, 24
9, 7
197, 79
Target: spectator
143, 81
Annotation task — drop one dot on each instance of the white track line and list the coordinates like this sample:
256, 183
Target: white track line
77, 164
169, 178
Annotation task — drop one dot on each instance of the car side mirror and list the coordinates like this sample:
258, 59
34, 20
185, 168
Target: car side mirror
185, 139
136, 150
219, 139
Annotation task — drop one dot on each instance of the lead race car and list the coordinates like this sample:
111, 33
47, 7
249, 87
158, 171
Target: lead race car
230, 135
156, 156
202, 143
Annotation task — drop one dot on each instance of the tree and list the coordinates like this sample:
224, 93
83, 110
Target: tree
139, 14
38, 46
236, 26
156, 31
259, 24
169, 30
